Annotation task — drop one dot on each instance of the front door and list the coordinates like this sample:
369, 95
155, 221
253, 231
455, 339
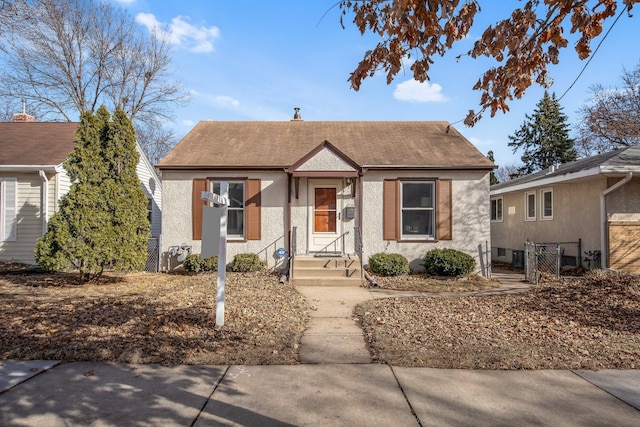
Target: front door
324, 217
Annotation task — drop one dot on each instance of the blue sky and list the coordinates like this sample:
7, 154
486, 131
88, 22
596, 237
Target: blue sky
258, 60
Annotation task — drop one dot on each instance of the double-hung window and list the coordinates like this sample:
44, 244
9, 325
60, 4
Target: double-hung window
236, 208
547, 203
8, 209
496, 209
530, 206
418, 213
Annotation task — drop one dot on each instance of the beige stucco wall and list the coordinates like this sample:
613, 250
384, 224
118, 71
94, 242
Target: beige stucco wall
624, 200
576, 215
177, 218
325, 160
470, 207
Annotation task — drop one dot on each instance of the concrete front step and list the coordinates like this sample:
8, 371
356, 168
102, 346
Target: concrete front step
321, 271
326, 281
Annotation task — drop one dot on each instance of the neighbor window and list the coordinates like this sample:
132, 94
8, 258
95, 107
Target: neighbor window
417, 205
530, 206
8, 209
496, 209
235, 212
547, 204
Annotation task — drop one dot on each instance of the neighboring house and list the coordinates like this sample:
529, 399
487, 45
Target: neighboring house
324, 187
595, 200
32, 181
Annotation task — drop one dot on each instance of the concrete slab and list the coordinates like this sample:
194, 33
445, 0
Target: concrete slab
332, 301
334, 395
446, 397
625, 385
332, 325
325, 349
100, 394
13, 372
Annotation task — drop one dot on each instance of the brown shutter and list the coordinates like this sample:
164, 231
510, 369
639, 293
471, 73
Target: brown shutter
390, 209
252, 208
199, 185
444, 212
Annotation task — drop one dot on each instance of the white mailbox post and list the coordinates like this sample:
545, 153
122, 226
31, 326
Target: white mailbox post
209, 226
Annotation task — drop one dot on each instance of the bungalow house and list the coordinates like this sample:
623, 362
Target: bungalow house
595, 201
32, 181
329, 188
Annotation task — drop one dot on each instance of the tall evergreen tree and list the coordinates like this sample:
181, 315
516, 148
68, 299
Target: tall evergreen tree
102, 221
493, 179
544, 137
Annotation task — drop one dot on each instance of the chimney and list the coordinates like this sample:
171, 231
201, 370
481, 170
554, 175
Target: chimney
23, 117
297, 117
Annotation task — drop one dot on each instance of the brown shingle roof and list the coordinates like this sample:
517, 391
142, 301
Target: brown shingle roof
228, 145
45, 143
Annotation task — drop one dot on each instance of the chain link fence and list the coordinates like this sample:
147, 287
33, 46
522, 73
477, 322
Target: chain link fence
541, 258
153, 255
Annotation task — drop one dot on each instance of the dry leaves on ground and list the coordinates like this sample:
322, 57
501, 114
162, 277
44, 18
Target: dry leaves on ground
587, 323
422, 282
150, 318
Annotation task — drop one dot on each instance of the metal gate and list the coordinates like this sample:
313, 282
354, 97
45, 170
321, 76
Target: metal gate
541, 258
153, 255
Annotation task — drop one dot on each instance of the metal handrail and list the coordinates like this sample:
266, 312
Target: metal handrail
325, 251
294, 247
358, 247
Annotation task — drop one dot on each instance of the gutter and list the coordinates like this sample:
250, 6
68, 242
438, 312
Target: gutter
603, 218
44, 205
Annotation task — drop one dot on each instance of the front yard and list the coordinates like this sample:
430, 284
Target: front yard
591, 323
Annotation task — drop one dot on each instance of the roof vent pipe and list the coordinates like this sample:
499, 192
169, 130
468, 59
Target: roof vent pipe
296, 115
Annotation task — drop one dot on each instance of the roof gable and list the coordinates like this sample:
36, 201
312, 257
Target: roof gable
279, 145
324, 158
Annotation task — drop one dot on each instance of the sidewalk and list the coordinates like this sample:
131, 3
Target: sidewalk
102, 394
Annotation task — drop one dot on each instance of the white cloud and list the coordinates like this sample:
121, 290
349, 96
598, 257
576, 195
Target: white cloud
477, 142
414, 91
180, 32
188, 123
226, 101
125, 1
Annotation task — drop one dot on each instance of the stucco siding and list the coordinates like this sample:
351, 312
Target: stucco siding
470, 210
177, 214
325, 160
576, 215
29, 216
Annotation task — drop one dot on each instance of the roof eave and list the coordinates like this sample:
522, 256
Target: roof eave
31, 168
541, 182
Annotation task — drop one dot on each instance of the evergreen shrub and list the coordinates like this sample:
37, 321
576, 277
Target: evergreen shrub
448, 262
247, 262
389, 264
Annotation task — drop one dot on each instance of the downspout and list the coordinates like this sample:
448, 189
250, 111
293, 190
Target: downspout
44, 205
603, 218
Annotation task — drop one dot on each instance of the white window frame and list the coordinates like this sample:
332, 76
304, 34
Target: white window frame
231, 209
500, 201
542, 204
528, 205
8, 212
404, 236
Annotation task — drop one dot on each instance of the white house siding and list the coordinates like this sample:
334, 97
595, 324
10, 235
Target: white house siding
470, 211
153, 189
29, 219
576, 215
177, 214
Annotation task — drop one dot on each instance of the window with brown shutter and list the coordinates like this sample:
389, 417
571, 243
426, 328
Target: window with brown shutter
253, 209
411, 212
199, 185
390, 209
444, 210
244, 211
